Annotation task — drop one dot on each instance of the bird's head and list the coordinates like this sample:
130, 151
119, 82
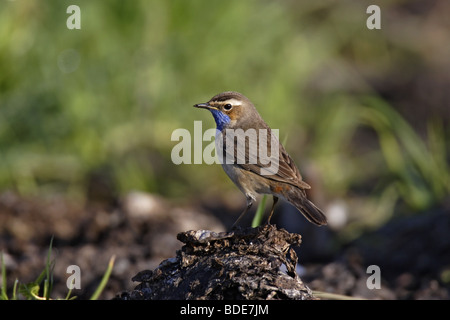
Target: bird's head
230, 109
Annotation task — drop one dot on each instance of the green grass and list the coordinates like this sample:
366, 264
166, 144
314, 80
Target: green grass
104, 280
4, 295
259, 215
143, 64
419, 169
41, 288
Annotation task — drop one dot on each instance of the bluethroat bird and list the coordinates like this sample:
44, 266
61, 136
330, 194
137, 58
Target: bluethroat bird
253, 171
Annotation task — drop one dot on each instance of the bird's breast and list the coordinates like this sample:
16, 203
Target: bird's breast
248, 182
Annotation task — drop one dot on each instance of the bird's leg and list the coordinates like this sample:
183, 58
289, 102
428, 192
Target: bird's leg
275, 200
249, 205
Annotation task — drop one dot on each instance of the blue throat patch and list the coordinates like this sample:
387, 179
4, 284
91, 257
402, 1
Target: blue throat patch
220, 118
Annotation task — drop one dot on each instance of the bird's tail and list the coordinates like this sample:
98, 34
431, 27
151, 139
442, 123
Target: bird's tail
297, 198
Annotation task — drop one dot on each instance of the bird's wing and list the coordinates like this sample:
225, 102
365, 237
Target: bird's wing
263, 155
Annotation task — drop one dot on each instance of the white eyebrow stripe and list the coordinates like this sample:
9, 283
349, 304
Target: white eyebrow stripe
233, 102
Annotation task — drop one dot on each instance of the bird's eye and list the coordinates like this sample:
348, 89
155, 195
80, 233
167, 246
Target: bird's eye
227, 107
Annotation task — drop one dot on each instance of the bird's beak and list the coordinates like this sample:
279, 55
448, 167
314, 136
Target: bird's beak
204, 106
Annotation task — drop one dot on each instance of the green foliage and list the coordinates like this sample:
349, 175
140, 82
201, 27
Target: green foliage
41, 288
259, 215
74, 102
419, 169
4, 295
104, 280
32, 290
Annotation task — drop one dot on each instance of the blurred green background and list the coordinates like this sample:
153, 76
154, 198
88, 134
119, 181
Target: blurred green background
365, 113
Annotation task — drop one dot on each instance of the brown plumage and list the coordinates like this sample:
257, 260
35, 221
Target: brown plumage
252, 170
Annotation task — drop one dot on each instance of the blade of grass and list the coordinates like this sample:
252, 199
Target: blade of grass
48, 282
439, 155
105, 279
46, 295
333, 296
257, 219
70, 290
4, 295
16, 283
